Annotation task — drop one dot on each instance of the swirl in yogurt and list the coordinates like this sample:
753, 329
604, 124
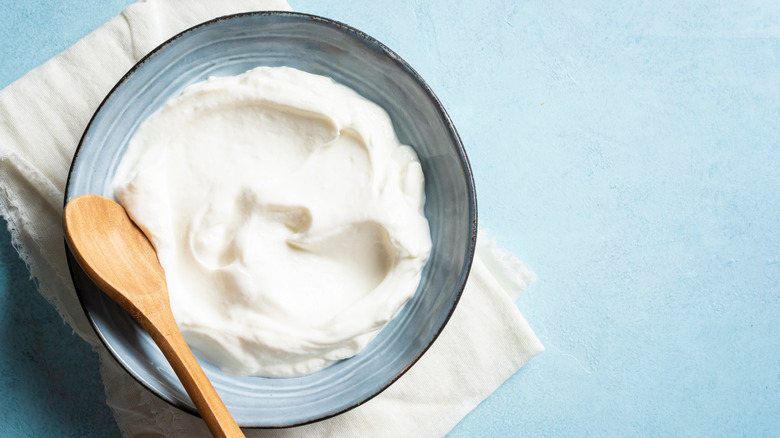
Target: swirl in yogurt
286, 214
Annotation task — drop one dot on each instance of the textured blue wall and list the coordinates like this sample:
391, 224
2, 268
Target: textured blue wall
628, 151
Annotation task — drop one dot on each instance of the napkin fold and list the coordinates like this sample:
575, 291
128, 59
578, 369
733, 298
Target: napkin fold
42, 117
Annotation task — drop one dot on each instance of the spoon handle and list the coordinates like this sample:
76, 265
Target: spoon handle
122, 262
163, 329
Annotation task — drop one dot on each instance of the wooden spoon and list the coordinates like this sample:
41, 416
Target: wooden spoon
122, 262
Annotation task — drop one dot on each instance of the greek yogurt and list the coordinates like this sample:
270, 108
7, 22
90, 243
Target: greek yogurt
286, 214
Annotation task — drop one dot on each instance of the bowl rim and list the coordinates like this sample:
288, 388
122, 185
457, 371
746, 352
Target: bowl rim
364, 38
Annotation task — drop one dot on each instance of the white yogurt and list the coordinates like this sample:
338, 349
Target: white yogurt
287, 216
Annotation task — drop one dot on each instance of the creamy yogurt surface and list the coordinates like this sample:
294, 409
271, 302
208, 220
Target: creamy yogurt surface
287, 216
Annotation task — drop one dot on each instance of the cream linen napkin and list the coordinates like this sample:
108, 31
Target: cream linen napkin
42, 116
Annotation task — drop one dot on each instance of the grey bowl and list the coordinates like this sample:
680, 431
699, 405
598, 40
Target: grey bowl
232, 45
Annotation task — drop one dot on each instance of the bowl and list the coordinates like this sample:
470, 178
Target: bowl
231, 45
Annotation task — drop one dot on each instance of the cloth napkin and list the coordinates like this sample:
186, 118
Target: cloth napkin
42, 117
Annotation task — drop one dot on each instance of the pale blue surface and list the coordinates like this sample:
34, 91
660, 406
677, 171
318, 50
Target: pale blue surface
629, 154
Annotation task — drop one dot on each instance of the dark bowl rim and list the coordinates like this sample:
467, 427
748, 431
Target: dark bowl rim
366, 39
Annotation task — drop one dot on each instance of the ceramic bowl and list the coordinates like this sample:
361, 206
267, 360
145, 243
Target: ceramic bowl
231, 45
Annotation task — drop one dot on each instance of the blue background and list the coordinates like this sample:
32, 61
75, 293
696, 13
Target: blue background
627, 151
